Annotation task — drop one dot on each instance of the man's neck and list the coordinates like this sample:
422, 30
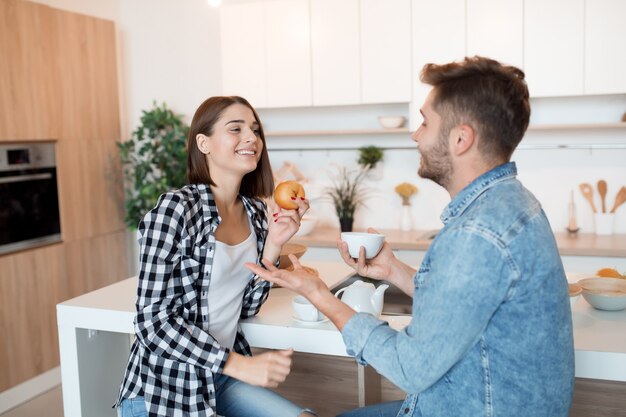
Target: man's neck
464, 174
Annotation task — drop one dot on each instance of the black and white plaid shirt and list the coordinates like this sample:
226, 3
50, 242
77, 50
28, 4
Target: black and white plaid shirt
173, 357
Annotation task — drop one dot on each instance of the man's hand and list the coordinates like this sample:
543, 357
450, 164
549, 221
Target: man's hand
384, 266
265, 370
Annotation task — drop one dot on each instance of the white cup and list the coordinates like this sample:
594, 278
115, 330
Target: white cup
304, 310
604, 223
372, 243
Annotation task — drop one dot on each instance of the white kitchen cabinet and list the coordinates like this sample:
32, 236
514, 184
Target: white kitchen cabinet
553, 47
288, 47
495, 30
605, 48
243, 52
385, 51
335, 52
434, 42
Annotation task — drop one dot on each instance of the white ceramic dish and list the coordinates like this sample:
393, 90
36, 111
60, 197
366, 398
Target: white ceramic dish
309, 323
371, 241
605, 293
305, 311
391, 122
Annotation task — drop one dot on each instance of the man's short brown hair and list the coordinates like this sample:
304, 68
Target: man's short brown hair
258, 183
490, 97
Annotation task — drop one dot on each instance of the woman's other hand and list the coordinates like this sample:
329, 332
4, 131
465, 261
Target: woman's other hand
267, 369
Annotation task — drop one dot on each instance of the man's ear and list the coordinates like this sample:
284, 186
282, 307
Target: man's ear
203, 142
463, 139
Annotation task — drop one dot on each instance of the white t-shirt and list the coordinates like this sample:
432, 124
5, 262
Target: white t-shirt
229, 278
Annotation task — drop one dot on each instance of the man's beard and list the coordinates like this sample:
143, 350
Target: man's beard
435, 163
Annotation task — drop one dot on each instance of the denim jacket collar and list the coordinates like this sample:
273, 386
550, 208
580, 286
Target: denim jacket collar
471, 192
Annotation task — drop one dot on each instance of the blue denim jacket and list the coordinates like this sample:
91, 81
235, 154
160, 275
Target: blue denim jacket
491, 333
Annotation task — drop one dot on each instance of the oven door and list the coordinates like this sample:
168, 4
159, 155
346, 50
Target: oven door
29, 209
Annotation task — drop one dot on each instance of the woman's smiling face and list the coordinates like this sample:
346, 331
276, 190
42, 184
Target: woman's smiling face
235, 145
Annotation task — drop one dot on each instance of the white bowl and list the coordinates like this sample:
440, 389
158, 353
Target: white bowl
391, 122
304, 310
307, 224
371, 241
604, 293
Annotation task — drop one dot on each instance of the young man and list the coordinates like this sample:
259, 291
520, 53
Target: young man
491, 333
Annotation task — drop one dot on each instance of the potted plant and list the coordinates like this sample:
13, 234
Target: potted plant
154, 160
347, 194
369, 158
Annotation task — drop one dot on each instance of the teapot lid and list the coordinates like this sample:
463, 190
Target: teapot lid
360, 283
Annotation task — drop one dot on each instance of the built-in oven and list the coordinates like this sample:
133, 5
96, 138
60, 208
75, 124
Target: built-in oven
29, 201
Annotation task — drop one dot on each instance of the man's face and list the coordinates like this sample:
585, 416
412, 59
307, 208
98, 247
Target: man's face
435, 162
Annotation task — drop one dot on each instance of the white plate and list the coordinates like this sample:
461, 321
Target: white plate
310, 323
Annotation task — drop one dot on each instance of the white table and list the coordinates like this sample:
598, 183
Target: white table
95, 329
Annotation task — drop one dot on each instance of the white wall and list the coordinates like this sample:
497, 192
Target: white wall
169, 51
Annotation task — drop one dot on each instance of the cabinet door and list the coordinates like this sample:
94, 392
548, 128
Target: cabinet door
553, 47
385, 51
335, 52
605, 52
288, 49
434, 42
494, 30
242, 30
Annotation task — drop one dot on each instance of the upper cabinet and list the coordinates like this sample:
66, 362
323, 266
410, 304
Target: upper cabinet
605, 52
288, 53
335, 52
553, 47
434, 42
266, 52
385, 51
317, 52
495, 29
243, 52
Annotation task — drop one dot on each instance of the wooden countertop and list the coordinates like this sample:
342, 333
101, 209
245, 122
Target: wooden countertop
582, 244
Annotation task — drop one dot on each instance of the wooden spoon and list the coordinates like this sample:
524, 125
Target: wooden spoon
587, 192
602, 188
620, 198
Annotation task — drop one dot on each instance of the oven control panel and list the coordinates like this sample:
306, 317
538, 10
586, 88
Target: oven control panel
26, 156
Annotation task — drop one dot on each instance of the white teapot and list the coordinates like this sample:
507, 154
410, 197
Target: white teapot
364, 297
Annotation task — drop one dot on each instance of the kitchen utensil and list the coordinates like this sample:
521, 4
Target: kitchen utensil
620, 199
602, 188
587, 192
572, 225
364, 297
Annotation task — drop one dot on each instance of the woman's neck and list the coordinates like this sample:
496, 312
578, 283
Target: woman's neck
226, 199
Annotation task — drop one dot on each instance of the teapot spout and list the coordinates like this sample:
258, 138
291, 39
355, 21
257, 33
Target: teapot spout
378, 297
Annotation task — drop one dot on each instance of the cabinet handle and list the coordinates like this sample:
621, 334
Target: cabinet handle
20, 178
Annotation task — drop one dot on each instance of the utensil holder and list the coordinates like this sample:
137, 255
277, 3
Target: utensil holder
604, 223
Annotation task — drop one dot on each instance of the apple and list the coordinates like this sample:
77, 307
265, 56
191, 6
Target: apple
285, 191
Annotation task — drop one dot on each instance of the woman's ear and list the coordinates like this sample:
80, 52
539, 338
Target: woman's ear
463, 139
202, 141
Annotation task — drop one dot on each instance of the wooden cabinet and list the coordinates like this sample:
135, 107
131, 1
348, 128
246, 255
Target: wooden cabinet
28, 86
335, 52
495, 30
605, 52
58, 80
385, 51
553, 47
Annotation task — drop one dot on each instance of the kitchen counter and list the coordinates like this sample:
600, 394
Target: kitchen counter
95, 329
581, 244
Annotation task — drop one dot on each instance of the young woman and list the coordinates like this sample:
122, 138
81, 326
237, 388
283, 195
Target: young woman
189, 357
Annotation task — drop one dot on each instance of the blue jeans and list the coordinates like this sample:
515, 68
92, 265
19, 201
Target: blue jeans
389, 409
234, 399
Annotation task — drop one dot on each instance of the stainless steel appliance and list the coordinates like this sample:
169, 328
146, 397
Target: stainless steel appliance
29, 202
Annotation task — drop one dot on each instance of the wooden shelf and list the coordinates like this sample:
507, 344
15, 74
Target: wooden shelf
587, 126
338, 132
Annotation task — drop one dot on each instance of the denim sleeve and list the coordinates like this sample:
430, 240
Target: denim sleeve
463, 280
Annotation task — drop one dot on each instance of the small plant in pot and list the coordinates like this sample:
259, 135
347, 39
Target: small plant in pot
154, 160
347, 194
370, 158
